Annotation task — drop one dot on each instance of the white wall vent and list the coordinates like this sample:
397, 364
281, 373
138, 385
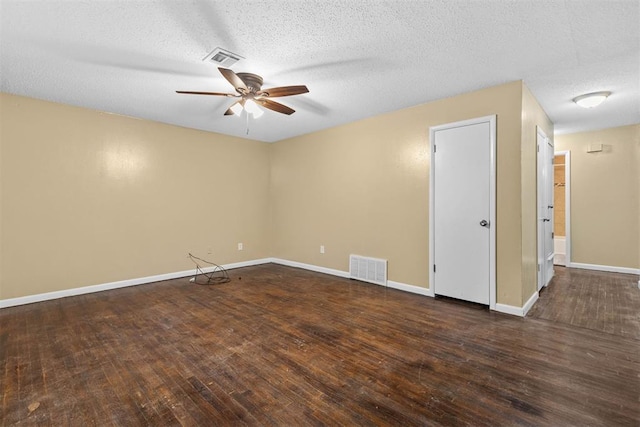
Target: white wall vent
222, 57
372, 270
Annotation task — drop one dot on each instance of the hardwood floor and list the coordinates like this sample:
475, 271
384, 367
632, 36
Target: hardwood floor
608, 302
283, 346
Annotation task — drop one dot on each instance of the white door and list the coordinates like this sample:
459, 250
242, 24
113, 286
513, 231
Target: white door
545, 209
463, 218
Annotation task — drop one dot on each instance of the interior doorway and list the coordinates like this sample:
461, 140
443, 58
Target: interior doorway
562, 207
545, 209
462, 210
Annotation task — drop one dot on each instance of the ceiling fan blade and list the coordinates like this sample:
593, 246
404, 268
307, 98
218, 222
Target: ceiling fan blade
283, 91
204, 93
233, 78
275, 106
229, 111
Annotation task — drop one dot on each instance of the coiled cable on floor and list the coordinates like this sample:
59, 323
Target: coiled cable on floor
214, 273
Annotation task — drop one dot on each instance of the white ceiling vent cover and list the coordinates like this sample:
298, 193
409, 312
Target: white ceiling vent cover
222, 57
372, 270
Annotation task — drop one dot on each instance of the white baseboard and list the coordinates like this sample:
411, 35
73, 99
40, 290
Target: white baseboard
503, 308
509, 309
310, 267
409, 288
609, 268
244, 264
530, 302
120, 284
390, 283
518, 311
560, 259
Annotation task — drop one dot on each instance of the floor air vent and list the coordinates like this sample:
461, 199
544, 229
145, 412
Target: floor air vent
367, 269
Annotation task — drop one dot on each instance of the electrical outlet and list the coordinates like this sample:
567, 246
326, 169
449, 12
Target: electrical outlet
209, 251
240, 246
321, 249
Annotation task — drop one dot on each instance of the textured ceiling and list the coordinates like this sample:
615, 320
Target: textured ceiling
358, 58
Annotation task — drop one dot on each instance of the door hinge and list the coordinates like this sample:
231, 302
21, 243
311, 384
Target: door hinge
538, 267
434, 268
434, 148
552, 235
538, 148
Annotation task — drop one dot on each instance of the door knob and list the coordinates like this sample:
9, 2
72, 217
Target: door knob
484, 223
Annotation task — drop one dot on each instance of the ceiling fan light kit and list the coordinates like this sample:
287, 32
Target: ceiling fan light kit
249, 89
591, 100
250, 106
237, 108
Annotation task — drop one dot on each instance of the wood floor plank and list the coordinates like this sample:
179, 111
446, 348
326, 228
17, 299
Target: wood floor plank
284, 346
596, 300
12, 326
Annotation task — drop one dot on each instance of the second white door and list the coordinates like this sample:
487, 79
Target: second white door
545, 209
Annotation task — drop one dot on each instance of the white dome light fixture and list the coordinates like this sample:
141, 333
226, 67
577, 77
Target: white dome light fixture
591, 100
250, 106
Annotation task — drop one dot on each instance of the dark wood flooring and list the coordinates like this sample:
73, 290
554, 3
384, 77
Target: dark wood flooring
283, 346
607, 302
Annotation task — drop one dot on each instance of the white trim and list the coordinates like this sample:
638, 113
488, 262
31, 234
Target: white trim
510, 309
560, 259
430, 291
310, 267
492, 214
409, 288
544, 181
518, 311
567, 203
527, 305
119, 284
492, 204
242, 264
609, 268
176, 275
345, 274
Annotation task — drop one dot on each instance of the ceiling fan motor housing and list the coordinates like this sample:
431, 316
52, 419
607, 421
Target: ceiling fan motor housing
253, 81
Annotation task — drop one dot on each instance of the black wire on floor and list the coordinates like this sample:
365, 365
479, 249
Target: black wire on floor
216, 275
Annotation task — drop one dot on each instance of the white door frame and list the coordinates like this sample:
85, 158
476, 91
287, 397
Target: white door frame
492, 203
544, 189
567, 203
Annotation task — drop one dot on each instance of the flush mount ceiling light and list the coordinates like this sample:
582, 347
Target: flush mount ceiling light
591, 100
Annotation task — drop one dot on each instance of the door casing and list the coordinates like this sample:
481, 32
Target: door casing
567, 202
544, 208
492, 203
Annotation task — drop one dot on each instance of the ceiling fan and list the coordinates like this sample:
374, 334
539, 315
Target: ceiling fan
251, 95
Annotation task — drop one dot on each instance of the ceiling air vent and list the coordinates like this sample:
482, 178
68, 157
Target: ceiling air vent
222, 57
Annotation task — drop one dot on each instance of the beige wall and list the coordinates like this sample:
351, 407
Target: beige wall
605, 196
89, 198
532, 116
363, 188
